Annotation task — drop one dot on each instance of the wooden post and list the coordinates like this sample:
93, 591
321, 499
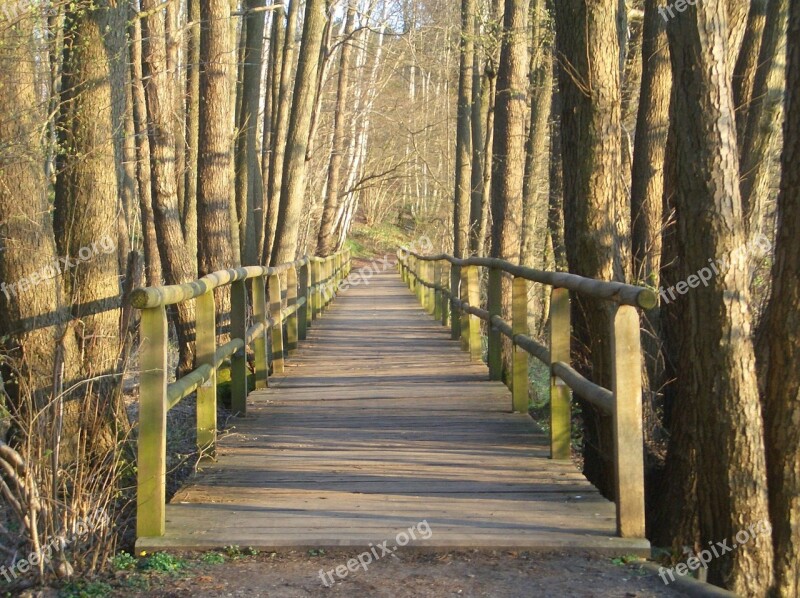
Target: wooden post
495, 296
303, 312
519, 384
437, 294
444, 280
277, 324
316, 297
239, 358
428, 291
152, 442
206, 347
423, 278
628, 441
326, 288
291, 300
455, 319
258, 292
464, 316
473, 322
560, 408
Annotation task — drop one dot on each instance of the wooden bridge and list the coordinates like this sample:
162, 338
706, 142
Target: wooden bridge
380, 421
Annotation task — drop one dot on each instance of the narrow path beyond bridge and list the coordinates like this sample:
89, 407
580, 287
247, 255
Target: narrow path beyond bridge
381, 422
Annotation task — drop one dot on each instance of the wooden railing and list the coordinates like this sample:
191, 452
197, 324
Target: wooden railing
433, 277
298, 292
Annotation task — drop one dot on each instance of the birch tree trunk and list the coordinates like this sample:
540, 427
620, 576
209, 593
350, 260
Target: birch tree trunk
326, 241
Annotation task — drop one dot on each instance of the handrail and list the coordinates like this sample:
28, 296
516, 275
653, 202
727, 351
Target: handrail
286, 299
454, 298
171, 294
618, 292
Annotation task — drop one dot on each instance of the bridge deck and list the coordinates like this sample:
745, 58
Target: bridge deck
381, 422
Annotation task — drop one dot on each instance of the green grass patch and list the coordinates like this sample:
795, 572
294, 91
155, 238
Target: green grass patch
123, 561
213, 558
162, 562
85, 589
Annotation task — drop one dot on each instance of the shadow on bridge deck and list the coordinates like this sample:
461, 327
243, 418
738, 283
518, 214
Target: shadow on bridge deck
381, 422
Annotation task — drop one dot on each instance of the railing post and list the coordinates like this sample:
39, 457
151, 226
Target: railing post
258, 292
426, 290
326, 272
152, 442
473, 296
316, 296
418, 277
455, 319
437, 293
495, 297
519, 385
303, 312
206, 348
291, 301
239, 358
277, 323
560, 408
444, 280
628, 441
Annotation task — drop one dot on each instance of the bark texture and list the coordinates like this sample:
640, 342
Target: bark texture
717, 362
782, 324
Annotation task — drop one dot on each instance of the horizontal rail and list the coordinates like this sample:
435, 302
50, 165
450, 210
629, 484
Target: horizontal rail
147, 297
448, 288
285, 301
618, 292
182, 388
596, 395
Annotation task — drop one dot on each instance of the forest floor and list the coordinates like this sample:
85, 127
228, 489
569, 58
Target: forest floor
494, 574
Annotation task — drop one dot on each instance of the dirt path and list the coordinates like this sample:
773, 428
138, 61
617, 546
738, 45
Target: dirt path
405, 574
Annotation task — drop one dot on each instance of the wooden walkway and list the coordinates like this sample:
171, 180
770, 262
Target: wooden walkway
381, 422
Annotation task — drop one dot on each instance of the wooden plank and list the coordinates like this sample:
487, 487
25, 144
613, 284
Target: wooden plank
379, 423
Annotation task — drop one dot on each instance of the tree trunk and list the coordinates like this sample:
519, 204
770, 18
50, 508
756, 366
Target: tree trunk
462, 191
764, 116
283, 107
717, 362
86, 200
555, 215
647, 190
293, 182
215, 250
152, 260
744, 73
477, 198
326, 241
536, 188
782, 328
176, 260
508, 166
86, 212
34, 312
249, 193
594, 204
270, 84
192, 130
